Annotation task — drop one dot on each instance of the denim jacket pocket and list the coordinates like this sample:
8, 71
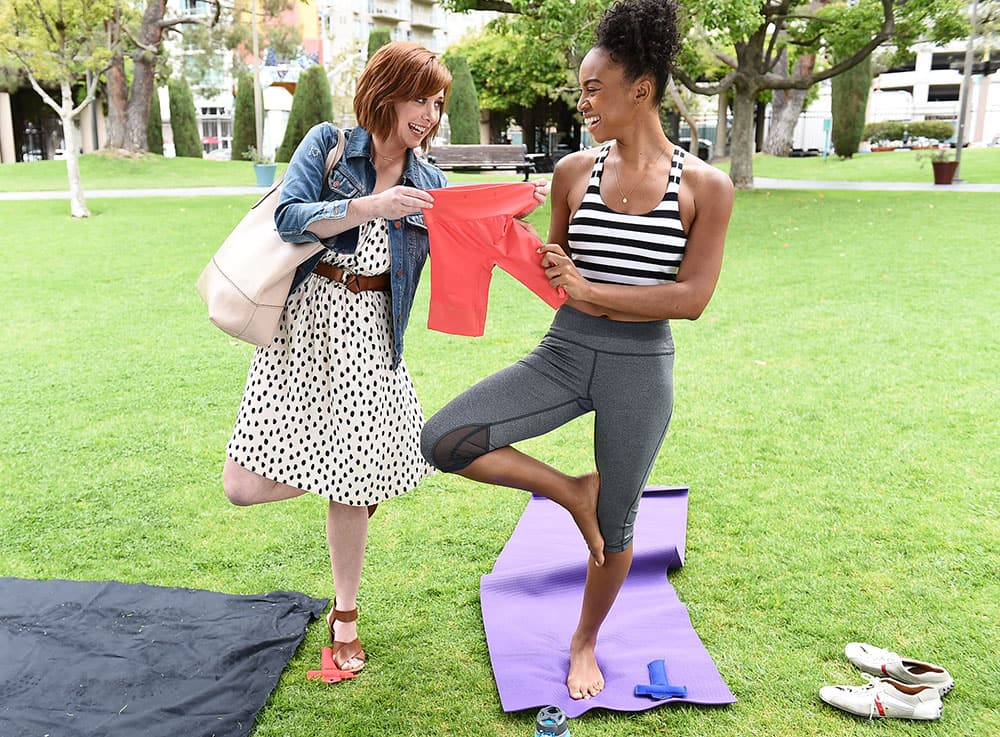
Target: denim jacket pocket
416, 221
416, 241
342, 187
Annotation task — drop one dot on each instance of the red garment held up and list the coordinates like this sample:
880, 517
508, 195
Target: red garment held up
472, 229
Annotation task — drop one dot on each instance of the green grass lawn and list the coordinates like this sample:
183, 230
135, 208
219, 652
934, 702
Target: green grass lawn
836, 422
979, 166
103, 171
99, 171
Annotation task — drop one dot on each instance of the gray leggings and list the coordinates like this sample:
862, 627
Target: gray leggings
622, 371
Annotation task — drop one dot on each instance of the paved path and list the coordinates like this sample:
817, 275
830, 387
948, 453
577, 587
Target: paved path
767, 183
759, 183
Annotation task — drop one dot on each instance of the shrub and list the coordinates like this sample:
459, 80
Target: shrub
937, 129
886, 130
154, 126
377, 39
849, 97
463, 107
311, 104
184, 120
897, 130
244, 117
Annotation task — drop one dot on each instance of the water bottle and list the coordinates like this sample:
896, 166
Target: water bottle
551, 722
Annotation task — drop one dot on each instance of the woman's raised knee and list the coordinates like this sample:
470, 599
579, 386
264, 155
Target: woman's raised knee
451, 450
238, 483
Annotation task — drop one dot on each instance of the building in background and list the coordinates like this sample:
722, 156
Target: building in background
335, 34
929, 87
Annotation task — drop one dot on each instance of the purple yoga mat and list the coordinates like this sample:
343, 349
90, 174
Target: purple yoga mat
531, 602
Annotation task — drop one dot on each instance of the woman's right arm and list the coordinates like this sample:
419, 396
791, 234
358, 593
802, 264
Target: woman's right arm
302, 216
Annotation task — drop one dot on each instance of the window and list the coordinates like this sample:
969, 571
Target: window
216, 128
947, 60
943, 92
196, 7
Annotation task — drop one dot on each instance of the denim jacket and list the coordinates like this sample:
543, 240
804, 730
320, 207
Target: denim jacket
306, 198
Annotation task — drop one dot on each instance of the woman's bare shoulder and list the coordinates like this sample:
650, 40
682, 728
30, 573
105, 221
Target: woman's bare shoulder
705, 179
576, 164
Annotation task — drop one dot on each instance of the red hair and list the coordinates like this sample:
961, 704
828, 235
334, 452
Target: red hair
398, 72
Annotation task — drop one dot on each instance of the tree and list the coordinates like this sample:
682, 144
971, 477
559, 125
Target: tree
311, 104
244, 122
749, 36
513, 71
60, 42
377, 39
129, 105
11, 76
560, 28
184, 119
138, 35
154, 128
787, 104
849, 101
463, 107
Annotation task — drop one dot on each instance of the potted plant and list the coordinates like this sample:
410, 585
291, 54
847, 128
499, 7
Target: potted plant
942, 162
263, 166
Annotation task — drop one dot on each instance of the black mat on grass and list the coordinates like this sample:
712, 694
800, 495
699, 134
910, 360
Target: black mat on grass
86, 658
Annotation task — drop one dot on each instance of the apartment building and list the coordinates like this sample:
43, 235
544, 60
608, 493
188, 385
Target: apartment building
929, 87
335, 34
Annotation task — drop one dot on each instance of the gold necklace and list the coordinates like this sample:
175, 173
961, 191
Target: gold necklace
618, 180
387, 158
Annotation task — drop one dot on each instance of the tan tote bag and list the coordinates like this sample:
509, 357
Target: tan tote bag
246, 284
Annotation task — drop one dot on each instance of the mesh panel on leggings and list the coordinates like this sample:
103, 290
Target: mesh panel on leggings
460, 447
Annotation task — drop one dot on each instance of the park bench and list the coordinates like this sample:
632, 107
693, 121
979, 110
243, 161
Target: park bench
485, 156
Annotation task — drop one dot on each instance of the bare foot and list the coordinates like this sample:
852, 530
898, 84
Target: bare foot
585, 678
585, 515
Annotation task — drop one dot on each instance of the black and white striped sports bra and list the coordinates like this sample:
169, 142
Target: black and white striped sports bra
614, 248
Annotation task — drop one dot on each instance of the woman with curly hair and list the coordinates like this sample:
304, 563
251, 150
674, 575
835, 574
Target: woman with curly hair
636, 239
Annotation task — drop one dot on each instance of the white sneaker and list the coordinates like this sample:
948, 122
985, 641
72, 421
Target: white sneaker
883, 663
884, 698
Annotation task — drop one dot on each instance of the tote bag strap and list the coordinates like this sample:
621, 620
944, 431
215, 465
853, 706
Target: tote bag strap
335, 153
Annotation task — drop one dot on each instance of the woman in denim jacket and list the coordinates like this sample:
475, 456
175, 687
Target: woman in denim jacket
329, 407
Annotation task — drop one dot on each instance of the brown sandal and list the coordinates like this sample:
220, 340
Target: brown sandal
344, 652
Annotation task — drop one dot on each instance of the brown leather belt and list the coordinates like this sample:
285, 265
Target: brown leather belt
354, 282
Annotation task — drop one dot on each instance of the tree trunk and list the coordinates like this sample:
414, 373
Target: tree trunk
135, 109
77, 205
117, 101
741, 161
139, 101
675, 95
722, 126
786, 107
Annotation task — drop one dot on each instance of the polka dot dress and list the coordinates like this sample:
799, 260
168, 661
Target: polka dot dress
323, 409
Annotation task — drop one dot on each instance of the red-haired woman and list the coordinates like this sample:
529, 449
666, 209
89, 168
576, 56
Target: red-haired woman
329, 408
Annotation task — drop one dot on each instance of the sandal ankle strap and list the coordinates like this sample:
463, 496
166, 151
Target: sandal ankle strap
340, 615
